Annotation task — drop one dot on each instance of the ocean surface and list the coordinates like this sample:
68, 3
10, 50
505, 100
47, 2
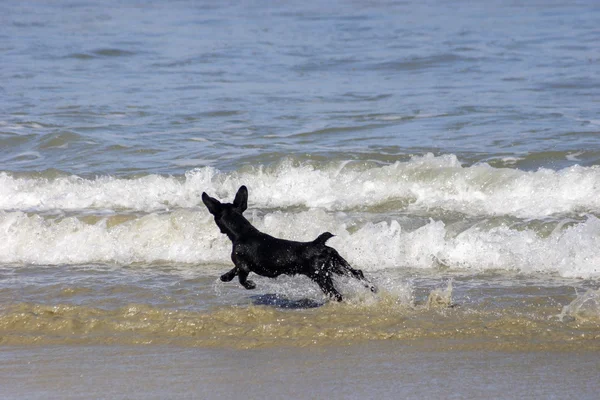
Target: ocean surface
453, 148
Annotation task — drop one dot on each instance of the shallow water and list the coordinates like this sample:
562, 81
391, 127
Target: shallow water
169, 306
452, 148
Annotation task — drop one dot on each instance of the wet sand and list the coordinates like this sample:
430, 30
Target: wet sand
371, 370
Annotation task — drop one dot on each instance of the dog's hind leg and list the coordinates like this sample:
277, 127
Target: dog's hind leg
227, 277
340, 266
323, 279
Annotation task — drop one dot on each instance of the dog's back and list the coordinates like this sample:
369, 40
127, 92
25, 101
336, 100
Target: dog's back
270, 256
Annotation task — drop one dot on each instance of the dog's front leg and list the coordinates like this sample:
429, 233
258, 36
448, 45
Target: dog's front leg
242, 268
227, 277
243, 277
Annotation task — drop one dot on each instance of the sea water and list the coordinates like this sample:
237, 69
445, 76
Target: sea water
452, 147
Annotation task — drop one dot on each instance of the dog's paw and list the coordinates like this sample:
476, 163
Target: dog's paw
249, 285
227, 277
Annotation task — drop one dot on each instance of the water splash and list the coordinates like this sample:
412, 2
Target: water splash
440, 298
585, 307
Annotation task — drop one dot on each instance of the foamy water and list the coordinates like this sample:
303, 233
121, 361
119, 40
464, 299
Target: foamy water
423, 213
190, 237
421, 184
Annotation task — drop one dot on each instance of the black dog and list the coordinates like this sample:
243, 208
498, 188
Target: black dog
254, 251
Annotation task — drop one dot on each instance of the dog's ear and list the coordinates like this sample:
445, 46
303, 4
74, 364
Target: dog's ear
214, 206
241, 199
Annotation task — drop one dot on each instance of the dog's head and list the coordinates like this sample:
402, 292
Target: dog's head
227, 215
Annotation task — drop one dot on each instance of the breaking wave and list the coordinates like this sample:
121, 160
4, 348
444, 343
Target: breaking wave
418, 185
429, 212
185, 236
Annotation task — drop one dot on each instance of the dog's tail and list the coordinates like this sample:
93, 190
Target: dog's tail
323, 237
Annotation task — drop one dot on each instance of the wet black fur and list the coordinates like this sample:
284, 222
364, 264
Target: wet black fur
254, 251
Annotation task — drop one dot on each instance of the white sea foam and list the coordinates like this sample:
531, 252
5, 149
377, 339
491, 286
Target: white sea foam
574, 156
190, 236
570, 252
421, 184
71, 220
175, 237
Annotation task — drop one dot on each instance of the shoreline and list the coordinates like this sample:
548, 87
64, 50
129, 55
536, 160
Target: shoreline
381, 369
